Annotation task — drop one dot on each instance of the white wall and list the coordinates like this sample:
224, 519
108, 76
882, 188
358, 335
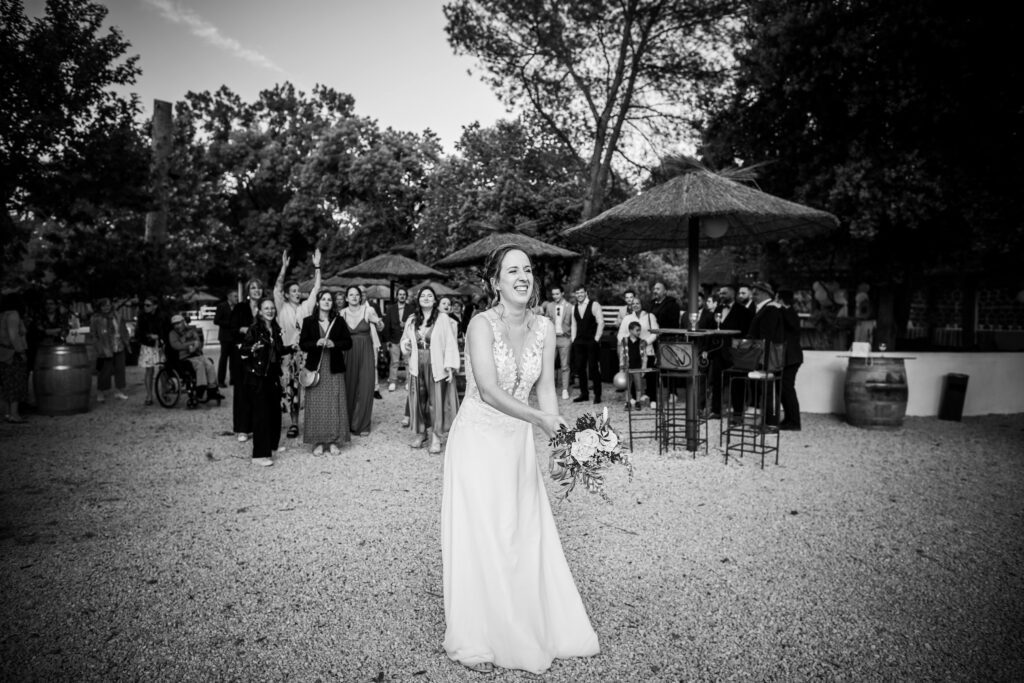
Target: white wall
996, 383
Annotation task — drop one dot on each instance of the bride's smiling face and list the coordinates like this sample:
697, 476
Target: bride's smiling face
515, 279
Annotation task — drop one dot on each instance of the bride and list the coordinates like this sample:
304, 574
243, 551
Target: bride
509, 598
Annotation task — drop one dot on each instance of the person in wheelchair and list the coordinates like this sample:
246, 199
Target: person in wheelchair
187, 343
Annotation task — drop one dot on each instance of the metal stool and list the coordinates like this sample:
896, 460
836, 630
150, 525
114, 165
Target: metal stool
643, 424
751, 431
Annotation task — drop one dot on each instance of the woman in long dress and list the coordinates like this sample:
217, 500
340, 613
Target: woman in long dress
324, 334
433, 359
509, 597
360, 360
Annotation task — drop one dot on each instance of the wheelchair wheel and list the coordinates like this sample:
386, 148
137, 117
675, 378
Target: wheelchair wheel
167, 388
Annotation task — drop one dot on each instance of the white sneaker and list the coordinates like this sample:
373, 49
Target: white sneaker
405, 422
334, 450
262, 462
565, 395
242, 438
121, 395
391, 387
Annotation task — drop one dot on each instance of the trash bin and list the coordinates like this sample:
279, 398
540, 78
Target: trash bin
953, 395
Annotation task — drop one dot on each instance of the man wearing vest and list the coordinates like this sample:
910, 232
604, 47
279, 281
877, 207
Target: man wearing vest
557, 310
587, 326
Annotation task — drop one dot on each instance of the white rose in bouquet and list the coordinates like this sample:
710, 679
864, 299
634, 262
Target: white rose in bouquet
585, 445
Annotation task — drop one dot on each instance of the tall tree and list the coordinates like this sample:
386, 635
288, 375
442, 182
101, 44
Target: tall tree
904, 119
58, 102
603, 76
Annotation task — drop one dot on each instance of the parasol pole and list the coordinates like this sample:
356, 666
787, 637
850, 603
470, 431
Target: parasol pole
693, 257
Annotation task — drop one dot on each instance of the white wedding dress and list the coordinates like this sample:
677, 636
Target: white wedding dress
509, 597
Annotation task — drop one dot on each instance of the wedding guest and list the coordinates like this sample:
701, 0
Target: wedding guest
648, 326
730, 315
242, 316
291, 311
794, 359
52, 324
187, 342
444, 304
744, 297
325, 338
225, 338
394, 326
666, 310
633, 356
767, 324
151, 330
360, 360
13, 357
587, 328
110, 337
261, 350
557, 311
432, 351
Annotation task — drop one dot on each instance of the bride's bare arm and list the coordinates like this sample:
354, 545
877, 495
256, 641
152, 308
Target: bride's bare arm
480, 341
547, 399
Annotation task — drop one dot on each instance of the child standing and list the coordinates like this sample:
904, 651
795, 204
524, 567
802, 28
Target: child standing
633, 353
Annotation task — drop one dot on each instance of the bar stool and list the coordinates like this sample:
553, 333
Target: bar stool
751, 431
643, 424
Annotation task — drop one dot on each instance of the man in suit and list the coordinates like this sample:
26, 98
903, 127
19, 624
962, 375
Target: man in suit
559, 312
745, 298
587, 327
794, 359
729, 315
394, 325
767, 324
666, 310
224, 336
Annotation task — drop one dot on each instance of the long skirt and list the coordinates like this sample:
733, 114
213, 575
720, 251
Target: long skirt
360, 379
431, 404
326, 419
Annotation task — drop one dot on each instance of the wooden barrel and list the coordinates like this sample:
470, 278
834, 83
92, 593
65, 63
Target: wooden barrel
876, 392
62, 379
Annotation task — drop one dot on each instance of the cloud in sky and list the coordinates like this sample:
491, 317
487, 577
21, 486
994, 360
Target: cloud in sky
207, 31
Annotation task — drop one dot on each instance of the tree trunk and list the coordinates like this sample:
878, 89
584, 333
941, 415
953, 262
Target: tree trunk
156, 220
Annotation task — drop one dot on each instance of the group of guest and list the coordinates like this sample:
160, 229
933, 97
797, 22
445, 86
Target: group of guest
338, 339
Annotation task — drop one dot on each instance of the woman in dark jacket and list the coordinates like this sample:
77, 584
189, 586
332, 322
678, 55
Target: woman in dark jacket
241, 318
261, 350
326, 422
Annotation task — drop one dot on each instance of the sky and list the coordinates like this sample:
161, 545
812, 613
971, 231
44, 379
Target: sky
391, 55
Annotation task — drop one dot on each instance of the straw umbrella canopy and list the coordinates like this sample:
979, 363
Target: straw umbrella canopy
198, 296
439, 289
392, 267
337, 282
476, 253
697, 209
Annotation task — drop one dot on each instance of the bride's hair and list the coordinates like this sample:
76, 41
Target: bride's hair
492, 272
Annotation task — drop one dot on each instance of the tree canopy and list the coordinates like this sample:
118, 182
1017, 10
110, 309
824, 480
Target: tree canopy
904, 119
605, 77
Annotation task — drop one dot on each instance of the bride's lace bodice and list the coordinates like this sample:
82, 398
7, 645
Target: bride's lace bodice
514, 378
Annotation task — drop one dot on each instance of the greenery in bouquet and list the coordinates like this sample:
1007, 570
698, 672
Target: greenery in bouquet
580, 455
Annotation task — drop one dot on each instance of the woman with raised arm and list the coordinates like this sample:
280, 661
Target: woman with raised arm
509, 597
324, 336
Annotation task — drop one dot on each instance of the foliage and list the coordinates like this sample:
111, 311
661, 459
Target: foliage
292, 171
580, 455
68, 148
918, 157
602, 76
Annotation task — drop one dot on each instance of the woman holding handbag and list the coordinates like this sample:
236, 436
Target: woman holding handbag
261, 351
324, 339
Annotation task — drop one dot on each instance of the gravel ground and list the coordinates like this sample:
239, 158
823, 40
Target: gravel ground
139, 543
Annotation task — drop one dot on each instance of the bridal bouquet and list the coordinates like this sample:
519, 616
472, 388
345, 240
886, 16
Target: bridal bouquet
580, 455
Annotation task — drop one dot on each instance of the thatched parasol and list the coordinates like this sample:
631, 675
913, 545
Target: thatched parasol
338, 282
476, 253
392, 267
439, 289
697, 209
198, 296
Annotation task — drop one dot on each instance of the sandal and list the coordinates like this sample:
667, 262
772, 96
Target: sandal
293, 431
481, 667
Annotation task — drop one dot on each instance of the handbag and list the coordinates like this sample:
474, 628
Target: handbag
310, 378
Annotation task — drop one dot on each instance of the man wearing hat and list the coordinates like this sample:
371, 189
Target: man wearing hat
188, 342
768, 324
